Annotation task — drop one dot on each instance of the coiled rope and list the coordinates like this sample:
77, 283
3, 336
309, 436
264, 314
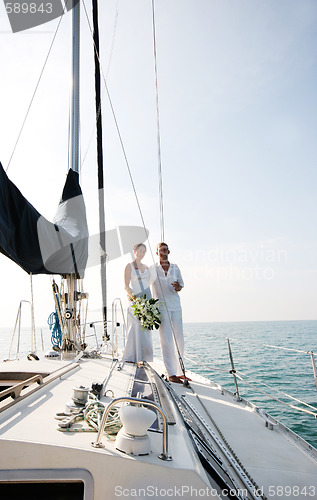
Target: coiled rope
55, 328
91, 414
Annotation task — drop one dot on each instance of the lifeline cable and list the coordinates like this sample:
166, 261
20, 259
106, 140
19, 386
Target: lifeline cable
239, 375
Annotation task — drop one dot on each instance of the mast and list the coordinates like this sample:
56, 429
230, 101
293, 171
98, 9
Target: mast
74, 132
71, 306
102, 228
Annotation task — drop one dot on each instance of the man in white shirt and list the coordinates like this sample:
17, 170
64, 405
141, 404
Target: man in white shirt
167, 283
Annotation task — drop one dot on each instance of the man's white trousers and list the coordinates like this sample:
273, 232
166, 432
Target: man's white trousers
172, 322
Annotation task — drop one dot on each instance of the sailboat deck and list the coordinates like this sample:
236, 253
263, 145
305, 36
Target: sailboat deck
29, 438
280, 463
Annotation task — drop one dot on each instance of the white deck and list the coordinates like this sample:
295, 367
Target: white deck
29, 439
275, 459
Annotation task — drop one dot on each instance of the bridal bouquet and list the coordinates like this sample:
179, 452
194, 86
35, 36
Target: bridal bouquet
147, 312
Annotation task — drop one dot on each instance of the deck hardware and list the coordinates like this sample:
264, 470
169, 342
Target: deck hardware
16, 389
270, 424
233, 372
96, 388
115, 324
32, 357
80, 395
314, 366
186, 382
17, 327
133, 438
93, 325
68, 314
98, 444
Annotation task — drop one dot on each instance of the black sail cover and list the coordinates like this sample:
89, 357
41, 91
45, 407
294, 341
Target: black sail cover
34, 243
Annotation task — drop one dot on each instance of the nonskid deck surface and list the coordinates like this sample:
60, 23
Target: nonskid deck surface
280, 464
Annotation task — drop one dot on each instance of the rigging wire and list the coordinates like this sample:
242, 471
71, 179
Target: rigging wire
180, 359
160, 177
118, 132
114, 32
117, 126
35, 90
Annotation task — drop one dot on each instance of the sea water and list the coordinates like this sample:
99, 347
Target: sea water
265, 356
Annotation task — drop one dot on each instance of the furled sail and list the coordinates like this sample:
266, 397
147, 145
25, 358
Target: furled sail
34, 243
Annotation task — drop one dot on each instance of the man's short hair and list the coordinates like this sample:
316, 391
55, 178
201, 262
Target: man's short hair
162, 244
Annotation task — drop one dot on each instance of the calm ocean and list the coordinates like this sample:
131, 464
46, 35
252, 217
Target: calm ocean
268, 369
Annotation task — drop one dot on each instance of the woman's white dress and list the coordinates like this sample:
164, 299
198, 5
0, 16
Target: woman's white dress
139, 345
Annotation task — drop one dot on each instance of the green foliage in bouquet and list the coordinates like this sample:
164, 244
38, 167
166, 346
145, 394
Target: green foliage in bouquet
147, 312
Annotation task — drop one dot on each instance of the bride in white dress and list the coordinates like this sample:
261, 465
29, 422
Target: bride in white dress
137, 282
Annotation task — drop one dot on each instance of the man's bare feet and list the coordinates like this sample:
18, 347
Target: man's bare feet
182, 377
175, 379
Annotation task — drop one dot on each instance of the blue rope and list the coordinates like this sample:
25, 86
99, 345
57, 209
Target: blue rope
55, 327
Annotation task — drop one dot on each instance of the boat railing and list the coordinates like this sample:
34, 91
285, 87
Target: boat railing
17, 328
245, 379
145, 402
92, 324
310, 353
117, 303
241, 376
233, 371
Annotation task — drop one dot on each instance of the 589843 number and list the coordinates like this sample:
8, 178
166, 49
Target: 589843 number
292, 491
28, 8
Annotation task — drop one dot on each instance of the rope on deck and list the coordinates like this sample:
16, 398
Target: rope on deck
92, 414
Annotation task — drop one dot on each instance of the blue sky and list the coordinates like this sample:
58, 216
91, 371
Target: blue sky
237, 90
